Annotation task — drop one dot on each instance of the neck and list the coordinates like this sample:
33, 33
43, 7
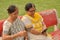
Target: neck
11, 19
32, 16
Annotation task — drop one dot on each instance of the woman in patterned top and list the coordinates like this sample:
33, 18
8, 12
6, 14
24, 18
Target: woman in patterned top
13, 28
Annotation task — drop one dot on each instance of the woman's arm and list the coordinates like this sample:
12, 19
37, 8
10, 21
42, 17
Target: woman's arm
11, 37
32, 30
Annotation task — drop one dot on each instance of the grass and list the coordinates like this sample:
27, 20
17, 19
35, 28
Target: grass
40, 6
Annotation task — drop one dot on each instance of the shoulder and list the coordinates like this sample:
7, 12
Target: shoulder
38, 14
25, 18
6, 24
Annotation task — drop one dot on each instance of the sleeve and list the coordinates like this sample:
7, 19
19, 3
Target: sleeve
26, 21
6, 28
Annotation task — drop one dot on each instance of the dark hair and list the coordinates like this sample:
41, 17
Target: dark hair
28, 6
11, 9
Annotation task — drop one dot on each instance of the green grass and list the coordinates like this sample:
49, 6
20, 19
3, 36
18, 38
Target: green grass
40, 6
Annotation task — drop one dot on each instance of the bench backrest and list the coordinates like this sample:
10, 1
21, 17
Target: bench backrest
50, 17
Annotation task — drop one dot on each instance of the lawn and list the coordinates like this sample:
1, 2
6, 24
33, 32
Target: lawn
40, 6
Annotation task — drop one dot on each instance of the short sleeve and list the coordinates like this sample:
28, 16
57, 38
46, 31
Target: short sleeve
26, 21
6, 27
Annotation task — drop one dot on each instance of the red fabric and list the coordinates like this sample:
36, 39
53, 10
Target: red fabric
49, 17
1, 26
56, 35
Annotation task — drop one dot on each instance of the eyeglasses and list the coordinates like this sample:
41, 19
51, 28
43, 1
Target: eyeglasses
32, 11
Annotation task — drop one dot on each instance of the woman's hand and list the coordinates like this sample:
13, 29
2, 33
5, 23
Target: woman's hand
22, 33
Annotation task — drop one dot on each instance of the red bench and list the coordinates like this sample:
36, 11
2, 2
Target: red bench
50, 17
56, 35
1, 26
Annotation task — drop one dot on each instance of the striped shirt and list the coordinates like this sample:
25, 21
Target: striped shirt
13, 28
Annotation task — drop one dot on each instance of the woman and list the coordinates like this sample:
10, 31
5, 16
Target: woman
34, 23
13, 28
